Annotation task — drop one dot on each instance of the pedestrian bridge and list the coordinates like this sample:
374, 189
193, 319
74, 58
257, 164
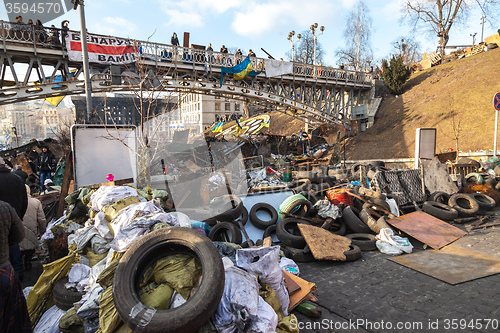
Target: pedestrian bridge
40, 68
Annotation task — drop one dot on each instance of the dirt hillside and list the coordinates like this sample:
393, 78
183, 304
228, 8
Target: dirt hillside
455, 98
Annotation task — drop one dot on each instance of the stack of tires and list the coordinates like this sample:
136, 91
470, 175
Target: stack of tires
450, 207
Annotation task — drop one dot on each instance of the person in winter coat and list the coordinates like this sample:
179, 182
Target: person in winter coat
64, 31
18, 170
46, 164
13, 191
34, 224
14, 316
174, 40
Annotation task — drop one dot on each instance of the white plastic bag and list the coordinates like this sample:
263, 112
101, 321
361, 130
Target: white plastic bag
326, 209
78, 272
266, 320
264, 262
90, 303
239, 302
389, 243
49, 322
290, 266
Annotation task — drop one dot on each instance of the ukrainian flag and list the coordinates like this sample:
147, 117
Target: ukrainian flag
265, 123
242, 69
239, 71
218, 127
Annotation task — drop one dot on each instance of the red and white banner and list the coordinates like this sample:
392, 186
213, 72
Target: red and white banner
102, 49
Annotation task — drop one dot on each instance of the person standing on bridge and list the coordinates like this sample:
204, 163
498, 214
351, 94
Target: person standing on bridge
251, 53
64, 32
174, 40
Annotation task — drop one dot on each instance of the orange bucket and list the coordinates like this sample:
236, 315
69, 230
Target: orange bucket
337, 196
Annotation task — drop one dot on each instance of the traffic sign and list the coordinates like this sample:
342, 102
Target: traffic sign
496, 101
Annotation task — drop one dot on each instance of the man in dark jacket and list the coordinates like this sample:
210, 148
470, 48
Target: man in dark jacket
13, 191
46, 164
18, 170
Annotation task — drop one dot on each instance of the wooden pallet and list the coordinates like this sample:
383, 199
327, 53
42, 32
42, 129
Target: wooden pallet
477, 49
434, 57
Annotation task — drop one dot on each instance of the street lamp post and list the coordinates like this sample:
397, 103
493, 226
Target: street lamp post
290, 38
315, 37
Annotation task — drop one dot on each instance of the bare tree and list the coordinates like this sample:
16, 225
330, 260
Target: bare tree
438, 16
304, 51
358, 53
408, 48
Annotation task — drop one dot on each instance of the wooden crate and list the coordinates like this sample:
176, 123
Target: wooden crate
461, 169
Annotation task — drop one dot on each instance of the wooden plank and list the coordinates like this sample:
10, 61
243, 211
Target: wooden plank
305, 289
427, 229
68, 176
323, 244
291, 285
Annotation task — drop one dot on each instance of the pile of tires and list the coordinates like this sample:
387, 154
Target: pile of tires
449, 208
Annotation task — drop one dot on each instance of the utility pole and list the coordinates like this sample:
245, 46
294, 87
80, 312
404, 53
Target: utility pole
85, 56
483, 18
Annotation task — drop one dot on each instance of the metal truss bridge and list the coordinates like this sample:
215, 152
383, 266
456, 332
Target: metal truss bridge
40, 69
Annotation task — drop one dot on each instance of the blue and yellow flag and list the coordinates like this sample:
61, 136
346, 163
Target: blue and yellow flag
218, 128
242, 69
239, 71
265, 123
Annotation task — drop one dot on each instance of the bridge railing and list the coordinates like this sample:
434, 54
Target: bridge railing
39, 36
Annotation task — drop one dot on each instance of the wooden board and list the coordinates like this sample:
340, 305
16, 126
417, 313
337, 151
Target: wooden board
427, 229
452, 264
436, 178
306, 289
424, 64
323, 244
495, 38
291, 285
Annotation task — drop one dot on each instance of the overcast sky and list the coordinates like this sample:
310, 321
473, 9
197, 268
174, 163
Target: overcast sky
252, 24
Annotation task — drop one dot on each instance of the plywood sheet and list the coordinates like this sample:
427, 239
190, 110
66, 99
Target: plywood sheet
427, 229
323, 244
436, 178
452, 264
305, 292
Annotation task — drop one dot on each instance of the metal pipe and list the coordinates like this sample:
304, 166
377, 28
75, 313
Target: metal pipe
85, 56
496, 134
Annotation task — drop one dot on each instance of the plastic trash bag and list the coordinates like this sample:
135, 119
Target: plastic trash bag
326, 209
266, 320
290, 266
78, 272
239, 302
49, 322
389, 243
90, 303
264, 262
108, 194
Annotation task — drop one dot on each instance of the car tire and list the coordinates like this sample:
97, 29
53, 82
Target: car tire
441, 197
440, 210
464, 204
269, 231
263, 224
297, 255
350, 215
64, 298
353, 254
366, 242
218, 230
287, 238
485, 201
201, 305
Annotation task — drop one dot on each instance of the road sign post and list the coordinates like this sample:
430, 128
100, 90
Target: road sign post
496, 104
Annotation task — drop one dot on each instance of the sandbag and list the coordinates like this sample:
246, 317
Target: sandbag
40, 296
49, 322
239, 303
110, 210
264, 263
180, 271
109, 319
70, 322
156, 295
